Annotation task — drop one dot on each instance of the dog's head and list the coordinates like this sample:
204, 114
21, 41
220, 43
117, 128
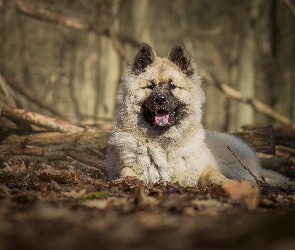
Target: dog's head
166, 90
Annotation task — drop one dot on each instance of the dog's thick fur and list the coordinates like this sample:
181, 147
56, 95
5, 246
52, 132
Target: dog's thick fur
157, 133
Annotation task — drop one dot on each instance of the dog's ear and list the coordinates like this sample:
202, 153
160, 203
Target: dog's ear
182, 59
144, 57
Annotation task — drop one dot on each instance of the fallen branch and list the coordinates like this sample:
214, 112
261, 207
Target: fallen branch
285, 149
87, 147
56, 153
288, 141
49, 123
262, 138
39, 139
31, 10
87, 159
257, 105
16, 150
33, 98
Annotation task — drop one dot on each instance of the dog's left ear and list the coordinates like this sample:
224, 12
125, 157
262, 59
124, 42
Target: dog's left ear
182, 59
144, 57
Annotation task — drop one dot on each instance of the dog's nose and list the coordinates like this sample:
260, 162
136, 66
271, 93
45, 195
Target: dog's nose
160, 99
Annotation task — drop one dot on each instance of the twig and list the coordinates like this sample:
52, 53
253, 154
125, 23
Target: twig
27, 93
258, 105
116, 43
31, 10
259, 182
290, 6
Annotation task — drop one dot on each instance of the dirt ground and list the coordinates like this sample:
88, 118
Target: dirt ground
67, 205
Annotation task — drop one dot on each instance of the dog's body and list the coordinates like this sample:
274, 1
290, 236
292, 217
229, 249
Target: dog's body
157, 133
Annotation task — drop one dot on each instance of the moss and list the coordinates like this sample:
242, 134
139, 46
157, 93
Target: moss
92, 195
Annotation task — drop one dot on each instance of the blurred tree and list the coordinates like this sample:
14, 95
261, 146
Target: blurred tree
246, 64
68, 56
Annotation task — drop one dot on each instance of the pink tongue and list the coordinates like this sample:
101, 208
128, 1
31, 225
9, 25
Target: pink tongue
161, 120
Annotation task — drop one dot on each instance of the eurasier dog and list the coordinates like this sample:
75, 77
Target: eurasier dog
157, 133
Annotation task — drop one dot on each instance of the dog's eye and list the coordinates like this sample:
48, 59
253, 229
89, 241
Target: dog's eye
172, 86
151, 86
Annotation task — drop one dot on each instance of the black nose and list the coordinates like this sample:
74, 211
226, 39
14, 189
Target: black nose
160, 99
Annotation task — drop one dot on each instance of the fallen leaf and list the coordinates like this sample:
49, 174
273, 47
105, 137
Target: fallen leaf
4, 189
115, 202
99, 204
55, 185
243, 191
141, 197
74, 194
60, 176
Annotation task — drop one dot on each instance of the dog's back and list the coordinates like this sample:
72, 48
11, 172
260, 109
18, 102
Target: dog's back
231, 167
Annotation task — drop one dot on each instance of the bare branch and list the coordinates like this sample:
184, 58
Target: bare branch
257, 105
31, 10
290, 6
116, 43
33, 98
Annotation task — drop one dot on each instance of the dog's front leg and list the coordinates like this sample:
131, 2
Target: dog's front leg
209, 176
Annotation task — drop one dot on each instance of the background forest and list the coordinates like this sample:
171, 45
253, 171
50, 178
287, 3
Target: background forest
65, 58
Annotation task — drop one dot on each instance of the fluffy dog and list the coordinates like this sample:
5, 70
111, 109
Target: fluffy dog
157, 133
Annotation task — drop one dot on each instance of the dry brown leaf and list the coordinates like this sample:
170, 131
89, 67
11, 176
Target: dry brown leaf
4, 189
106, 203
243, 191
141, 197
55, 185
74, 194
60, 176
99, 204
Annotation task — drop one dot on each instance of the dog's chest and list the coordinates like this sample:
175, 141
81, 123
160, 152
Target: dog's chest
176, 164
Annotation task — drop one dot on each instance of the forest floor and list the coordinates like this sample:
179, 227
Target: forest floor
67, 205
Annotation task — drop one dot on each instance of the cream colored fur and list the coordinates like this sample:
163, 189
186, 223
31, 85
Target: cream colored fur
185, 153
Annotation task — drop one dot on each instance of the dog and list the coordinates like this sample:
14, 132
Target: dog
157, 133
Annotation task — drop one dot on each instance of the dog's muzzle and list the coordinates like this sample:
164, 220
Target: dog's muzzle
162, 117
160, 109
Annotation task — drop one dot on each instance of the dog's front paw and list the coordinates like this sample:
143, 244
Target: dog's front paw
127, 171
211, 176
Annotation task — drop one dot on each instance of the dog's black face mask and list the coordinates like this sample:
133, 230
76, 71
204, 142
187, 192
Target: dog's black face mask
162, 108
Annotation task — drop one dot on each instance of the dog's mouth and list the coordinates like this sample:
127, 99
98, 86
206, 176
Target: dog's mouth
162, 109
163, 118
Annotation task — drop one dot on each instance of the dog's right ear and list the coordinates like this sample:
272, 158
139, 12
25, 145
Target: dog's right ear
144, 57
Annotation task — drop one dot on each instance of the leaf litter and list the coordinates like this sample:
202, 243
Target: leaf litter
80, 209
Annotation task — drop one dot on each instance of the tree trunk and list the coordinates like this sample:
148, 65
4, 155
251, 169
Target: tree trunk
247, 67
111, 75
